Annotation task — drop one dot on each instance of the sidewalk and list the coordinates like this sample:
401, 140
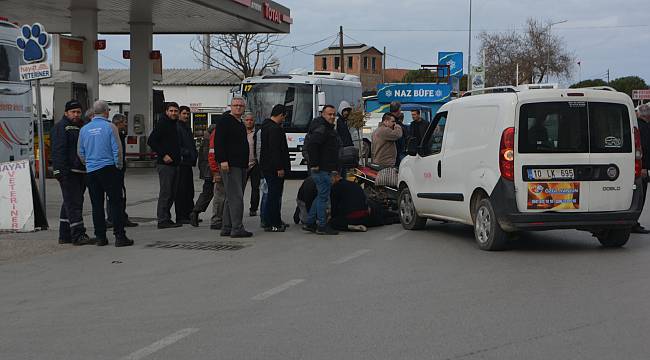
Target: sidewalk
142, 197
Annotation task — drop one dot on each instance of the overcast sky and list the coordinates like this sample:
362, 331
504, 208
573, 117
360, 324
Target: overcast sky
602, 34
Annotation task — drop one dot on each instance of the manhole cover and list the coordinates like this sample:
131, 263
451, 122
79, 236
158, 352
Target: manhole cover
141, 219
198, 245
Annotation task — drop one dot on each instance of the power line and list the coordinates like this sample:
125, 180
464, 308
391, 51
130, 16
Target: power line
510, 29
114, 60
304, 46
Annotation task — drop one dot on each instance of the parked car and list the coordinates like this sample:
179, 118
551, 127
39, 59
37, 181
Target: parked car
510, 159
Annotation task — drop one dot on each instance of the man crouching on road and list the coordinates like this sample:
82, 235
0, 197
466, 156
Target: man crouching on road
100, 149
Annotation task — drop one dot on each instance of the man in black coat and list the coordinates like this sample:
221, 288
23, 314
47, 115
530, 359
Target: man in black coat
643, 117
342, 127
184, 201
121, 123
417, 128
164, 141
205, 173
323, 152
71, 174
231, 152
275, 162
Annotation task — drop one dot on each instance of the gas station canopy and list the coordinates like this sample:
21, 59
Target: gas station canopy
167, 16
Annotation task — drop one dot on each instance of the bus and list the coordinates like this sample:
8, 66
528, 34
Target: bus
304, 95
16, 119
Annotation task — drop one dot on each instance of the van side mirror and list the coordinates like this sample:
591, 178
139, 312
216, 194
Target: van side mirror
412, 147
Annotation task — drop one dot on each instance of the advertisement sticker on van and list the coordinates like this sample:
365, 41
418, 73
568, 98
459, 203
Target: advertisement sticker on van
554, 196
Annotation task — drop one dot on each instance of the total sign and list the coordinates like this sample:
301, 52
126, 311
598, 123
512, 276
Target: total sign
414, 93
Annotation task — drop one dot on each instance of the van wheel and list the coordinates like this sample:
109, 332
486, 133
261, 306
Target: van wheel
487, 231
614, 237
408, 215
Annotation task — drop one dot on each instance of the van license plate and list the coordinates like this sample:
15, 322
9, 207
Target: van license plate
551, 174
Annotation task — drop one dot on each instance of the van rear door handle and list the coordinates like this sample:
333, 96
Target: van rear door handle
439, 168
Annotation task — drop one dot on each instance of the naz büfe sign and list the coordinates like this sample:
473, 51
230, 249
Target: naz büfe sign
413, 93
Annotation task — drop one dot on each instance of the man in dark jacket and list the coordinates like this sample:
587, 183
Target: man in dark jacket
275, 162
205, 173
121, 123
70, 172
323, 149
304, 199
184, 201
643, 117
352, 211
417, 128
164, 141
342, 127
231, 153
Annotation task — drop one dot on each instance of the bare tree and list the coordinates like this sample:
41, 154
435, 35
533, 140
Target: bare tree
242, 55
538, 52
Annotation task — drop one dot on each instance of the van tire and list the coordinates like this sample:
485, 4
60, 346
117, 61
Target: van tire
614, 237
408, 214
487, 232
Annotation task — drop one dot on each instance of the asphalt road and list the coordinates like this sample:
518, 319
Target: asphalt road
384, 294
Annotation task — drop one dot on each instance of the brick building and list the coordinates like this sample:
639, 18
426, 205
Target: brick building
360, 59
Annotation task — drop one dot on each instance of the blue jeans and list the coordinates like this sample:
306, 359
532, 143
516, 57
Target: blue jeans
323, 180
264, 190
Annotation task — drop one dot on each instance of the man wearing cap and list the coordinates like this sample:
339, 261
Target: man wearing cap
71, 174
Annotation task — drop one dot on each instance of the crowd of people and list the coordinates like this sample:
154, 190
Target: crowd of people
88, 151
233, 151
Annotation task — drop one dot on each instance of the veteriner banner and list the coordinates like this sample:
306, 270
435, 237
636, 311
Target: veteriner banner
554, 196
16, 203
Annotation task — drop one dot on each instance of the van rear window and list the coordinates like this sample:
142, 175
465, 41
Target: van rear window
574, 127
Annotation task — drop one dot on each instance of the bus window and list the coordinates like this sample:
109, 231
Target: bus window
9, 63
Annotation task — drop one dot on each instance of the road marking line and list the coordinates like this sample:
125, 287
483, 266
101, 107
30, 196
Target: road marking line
398, 235
354, 255
278, 289
160, 344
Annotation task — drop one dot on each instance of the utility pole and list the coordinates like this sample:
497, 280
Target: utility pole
341, 66
469, 50
607, 76
206, 52
383, 68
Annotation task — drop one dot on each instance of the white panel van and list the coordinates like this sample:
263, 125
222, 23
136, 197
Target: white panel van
510, 159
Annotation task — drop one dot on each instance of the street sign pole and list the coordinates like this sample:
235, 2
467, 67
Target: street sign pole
41, 145
34, 54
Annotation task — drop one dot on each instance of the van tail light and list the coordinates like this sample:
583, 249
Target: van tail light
507, 154
638, 153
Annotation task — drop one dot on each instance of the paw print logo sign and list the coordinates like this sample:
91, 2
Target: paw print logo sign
33, 41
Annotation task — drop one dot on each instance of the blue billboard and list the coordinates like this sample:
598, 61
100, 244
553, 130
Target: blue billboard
454, 60
414, 93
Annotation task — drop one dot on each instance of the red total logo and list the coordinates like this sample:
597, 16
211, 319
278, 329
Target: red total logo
271, 13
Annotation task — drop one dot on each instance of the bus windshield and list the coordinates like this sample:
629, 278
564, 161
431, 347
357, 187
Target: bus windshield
9, 63
298, 98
